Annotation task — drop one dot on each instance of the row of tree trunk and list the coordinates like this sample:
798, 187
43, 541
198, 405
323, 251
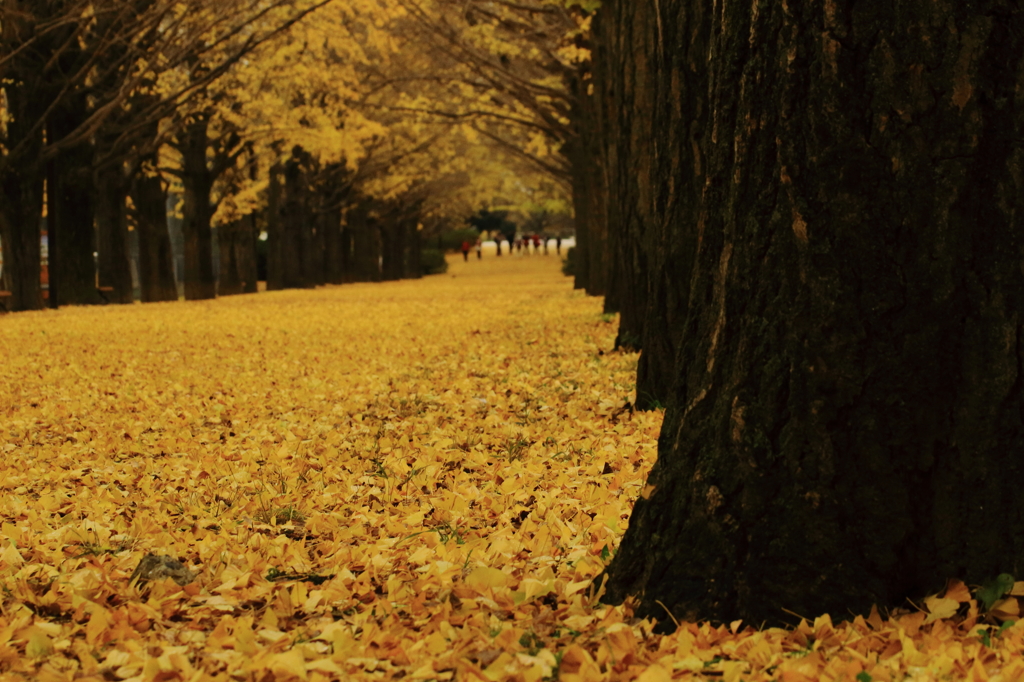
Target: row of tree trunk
318, 230
810, 218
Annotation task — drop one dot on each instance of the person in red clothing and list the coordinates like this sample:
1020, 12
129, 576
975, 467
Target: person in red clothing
465, 250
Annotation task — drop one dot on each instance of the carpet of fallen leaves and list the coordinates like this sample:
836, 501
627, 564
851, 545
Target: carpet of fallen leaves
413, 480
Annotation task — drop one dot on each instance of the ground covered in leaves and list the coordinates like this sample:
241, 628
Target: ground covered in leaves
413, 480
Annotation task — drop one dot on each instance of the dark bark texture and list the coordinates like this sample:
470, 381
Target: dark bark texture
589, 183
21, 177
651, 68
71, 211
28, 84
21, 193
846, 425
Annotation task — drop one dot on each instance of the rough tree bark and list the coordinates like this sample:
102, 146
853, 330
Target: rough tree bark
846, 424
21, 196
648, 64
589, 183
31, 78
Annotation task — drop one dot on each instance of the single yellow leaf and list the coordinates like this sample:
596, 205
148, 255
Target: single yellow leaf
325, 665
1006, 609
38, 645
655, 673
99, 622
290, 662
958, 591
940, 608
10, 556
484, 577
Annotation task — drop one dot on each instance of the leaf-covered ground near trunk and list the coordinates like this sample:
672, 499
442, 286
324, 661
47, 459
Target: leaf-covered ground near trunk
413, 480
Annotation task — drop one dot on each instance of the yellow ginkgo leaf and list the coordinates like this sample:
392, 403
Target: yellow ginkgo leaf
486, 578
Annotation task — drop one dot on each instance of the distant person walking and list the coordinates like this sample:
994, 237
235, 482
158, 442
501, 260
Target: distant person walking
497, 242
465, 250
558, 245
479, 248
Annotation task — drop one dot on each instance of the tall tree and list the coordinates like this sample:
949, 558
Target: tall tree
845, 423
56, 55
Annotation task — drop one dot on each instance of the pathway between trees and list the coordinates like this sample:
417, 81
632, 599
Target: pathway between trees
404, 476
417, 479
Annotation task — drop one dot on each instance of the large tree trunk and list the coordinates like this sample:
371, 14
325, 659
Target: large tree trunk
650, 68
20, 214
71, 233
112, 234
156, 259
589, 183
197, 212
33, 78
846, 424
21, 200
